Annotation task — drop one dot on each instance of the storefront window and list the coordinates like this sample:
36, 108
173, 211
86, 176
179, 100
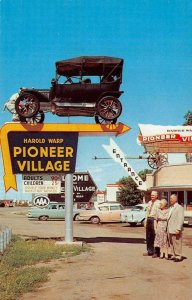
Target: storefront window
180, 195
164, 195
189, 199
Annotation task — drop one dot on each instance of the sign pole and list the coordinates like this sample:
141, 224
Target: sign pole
69, 208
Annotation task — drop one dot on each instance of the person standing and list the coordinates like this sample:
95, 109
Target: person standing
175, 228
160, 223
152, 208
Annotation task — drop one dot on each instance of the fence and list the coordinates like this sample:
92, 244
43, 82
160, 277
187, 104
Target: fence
5, 237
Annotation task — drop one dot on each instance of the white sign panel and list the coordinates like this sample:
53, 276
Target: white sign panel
41, 184
115, 152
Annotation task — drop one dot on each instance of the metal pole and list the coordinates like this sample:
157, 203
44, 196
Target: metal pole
69, 208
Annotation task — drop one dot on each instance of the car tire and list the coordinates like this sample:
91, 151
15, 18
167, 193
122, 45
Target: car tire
43, 218
143, 223
95, 220
76, 217
27, 105
109, 108
37, 119
132, 224
100, 120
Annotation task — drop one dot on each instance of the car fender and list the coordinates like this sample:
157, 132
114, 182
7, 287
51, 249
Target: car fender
116, 94
41, 96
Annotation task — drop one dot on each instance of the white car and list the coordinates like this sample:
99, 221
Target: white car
188, 217
105, 212
136, 215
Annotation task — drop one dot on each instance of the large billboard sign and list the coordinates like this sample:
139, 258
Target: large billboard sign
42, 152
165, 139
46, 148
37, 150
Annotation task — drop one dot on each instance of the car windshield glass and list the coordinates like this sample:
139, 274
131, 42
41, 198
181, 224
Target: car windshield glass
79, 79
53, 206
61, 206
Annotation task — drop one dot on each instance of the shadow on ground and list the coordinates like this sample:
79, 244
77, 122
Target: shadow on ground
111, 240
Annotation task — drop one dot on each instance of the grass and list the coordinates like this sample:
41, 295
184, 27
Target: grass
19, 270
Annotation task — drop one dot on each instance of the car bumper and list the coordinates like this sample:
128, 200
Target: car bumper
188, 221
82, 218
133, 221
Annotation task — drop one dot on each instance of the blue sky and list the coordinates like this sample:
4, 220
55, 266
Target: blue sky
153, 37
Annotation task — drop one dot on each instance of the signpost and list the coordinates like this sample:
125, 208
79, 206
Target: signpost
48, 149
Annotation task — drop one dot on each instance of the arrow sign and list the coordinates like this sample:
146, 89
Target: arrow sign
115, 152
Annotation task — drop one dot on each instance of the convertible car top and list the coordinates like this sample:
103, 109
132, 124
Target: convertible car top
90, 65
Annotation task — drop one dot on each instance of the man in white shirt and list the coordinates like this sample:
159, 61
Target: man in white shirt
10, 106
153, 205
175, 228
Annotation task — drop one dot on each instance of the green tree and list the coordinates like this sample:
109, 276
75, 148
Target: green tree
129, 194
188, 118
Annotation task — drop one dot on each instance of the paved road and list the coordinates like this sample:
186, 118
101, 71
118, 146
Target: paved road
116, 270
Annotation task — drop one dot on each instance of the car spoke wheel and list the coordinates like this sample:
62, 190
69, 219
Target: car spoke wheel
109, 108
155, 160
95, 220
37, 119
27, 105
100, 120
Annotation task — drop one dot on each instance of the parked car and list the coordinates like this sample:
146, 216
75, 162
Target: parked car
188, 217
84, 86
52, 211
124, 213
105, 212
136, 215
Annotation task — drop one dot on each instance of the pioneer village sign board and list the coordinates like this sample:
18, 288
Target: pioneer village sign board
46, 148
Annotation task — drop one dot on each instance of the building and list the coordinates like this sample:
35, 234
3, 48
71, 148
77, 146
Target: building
169, 179
112, 192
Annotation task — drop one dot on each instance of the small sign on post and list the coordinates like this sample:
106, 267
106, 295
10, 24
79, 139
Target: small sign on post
41, 184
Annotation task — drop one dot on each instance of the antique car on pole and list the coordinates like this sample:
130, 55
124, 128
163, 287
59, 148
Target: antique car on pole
83, 86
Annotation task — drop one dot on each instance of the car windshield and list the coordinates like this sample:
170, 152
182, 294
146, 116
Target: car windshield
79, 79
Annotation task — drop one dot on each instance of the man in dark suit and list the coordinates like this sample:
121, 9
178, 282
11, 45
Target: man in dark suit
175, 228
152, 208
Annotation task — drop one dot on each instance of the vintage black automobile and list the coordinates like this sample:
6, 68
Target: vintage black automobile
83, 86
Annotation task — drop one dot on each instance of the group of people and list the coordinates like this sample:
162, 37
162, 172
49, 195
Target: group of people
164, 228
